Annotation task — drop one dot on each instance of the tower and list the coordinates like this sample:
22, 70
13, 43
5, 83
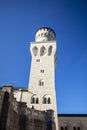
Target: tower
42, 94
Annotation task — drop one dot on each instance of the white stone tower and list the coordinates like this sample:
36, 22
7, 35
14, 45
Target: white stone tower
42, 94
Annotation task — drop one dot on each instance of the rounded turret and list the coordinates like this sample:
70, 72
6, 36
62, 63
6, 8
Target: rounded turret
45, 34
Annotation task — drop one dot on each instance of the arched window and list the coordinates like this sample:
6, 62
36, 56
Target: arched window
74, 128
32, 100
44, 100
41, 82
62, 128
49, 100
37, 100
65, 127
78, 128
35, 51
49, 50
42, 51
42, 70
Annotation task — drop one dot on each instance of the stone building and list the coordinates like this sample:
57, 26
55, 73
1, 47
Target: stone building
72, 121
17, 116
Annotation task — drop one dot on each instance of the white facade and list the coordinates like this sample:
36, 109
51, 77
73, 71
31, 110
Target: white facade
42, 74
41, 92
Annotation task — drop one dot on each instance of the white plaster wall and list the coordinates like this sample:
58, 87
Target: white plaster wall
20, 95
48, 64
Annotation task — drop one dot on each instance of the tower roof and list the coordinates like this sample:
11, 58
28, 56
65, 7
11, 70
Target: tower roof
45, 34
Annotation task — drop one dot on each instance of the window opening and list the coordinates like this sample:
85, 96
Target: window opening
41, 82
49, 101
44, 100
65, 128
50, 51
74, 128
62, 128
42, 51
37, 60
78, 128
35, 51
37, 100
32, 100
42, 70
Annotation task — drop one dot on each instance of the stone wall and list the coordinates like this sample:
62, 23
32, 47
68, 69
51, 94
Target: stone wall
17, 116
8, 110
72, 122
30, 119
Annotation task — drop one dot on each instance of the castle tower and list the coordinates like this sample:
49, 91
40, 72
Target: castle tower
42, 94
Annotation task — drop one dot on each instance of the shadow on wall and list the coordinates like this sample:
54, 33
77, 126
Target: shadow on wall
22, 122
4, 111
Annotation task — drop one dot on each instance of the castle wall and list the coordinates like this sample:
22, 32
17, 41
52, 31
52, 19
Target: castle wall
17, 116
8, 110
72, 122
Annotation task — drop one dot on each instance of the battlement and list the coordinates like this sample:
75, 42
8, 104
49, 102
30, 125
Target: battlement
45, 34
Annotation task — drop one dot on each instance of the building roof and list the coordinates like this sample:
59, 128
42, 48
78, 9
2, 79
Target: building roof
72, 115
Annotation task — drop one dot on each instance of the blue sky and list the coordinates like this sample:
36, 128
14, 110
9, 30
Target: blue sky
19, 19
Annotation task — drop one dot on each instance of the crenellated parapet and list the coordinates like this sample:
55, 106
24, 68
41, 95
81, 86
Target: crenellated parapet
45, 34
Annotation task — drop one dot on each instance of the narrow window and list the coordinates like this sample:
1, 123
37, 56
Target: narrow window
42, 70
65, 128
32, 100
50, 51
44, 100
49, 101
78, 128
35, 51
37, 60
62, 128
41, 82
37, 100
74, 128
42, 51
